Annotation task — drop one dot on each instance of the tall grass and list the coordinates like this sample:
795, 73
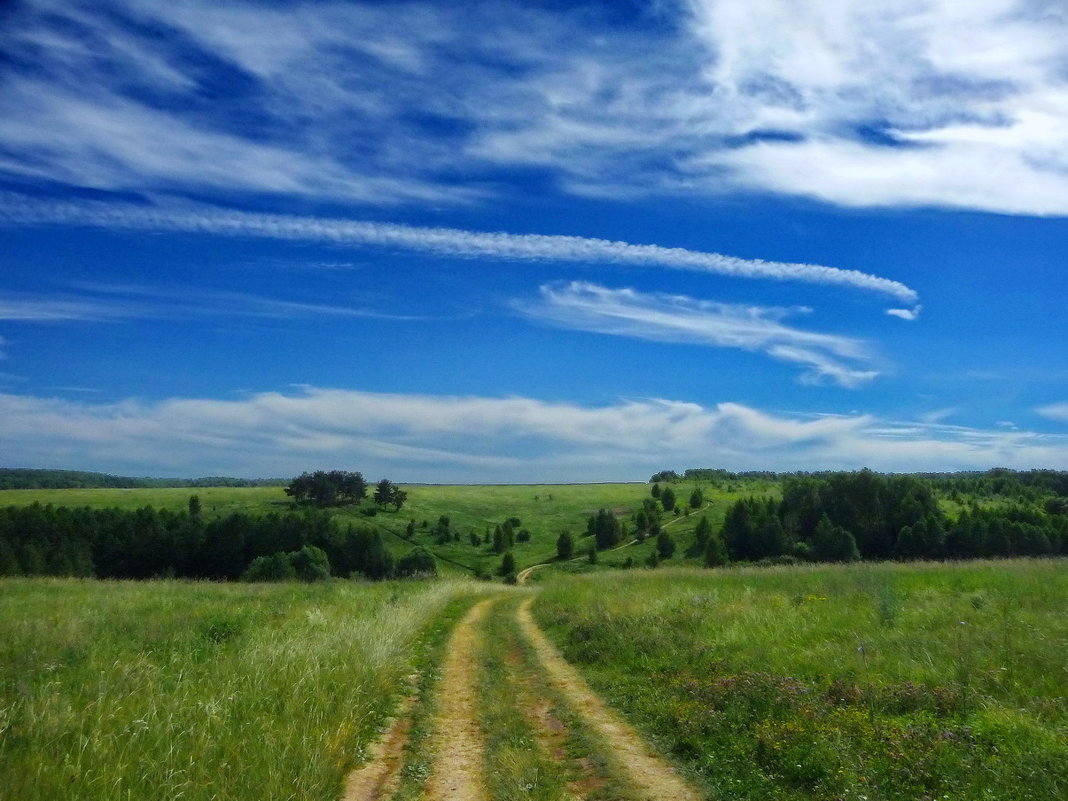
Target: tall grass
877, 681
199, 691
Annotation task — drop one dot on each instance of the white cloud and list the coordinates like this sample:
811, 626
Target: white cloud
452, 438
673, 318
1055, 411
906, 314
900, 103
444, 241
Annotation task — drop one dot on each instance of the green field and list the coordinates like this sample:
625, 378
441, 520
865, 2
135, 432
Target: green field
126, 690
544, 510
216, 501
869, 681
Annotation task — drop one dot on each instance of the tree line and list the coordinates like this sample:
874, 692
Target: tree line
842, 517
342, 487
32, 478
150, 543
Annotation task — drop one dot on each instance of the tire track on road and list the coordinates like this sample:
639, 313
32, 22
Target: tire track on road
649, 775
457, 740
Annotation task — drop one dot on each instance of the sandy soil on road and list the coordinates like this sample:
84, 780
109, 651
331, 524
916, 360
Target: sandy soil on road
646, 772
457, 773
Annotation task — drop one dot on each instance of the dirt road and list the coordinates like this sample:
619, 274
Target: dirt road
538, 730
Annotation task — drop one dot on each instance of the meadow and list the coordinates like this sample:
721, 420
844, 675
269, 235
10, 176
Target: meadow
867, 681
884, 681
133, 690
543, 510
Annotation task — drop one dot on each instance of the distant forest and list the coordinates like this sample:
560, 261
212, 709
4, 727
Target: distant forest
150, 543
842, 517
25, 478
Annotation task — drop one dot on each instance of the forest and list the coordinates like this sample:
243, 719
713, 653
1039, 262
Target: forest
842, 517
151, 543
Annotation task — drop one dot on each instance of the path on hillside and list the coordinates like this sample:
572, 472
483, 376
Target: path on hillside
524, 575
584, 746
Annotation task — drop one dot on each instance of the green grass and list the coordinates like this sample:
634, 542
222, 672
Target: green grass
875, 681
544, 510
215, 501
116, 690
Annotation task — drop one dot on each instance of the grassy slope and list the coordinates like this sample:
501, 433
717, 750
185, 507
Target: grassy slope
878, 681
544, 510
197, 691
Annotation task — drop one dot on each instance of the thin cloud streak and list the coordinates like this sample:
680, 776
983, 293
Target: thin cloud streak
673, 318
112, 302
441, 241
475, 439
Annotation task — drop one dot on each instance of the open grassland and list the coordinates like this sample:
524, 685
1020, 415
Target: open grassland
544, 512
216, 501
864, 682
116, 690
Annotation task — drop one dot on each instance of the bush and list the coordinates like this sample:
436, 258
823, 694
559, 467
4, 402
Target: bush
276, 567
311, 564
418, 562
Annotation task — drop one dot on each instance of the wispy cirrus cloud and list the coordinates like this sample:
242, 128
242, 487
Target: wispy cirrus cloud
464, 438
33, 308
96, 302
889, 104
15, 209
673, 318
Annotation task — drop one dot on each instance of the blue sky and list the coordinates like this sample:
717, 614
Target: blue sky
533, 241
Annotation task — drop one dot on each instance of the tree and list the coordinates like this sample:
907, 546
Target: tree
604, 528
703, 531
507, 567
665, 545
667, 499
716, 551
565, 546
833, 543
398, 498
655, 491
384, 492
696, 498
353, 487
369, 556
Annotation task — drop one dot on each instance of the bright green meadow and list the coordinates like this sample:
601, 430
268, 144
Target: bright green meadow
889, 682
112, 691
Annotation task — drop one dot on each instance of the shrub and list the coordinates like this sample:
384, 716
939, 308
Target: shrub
418, 562
311, 564
276, 567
